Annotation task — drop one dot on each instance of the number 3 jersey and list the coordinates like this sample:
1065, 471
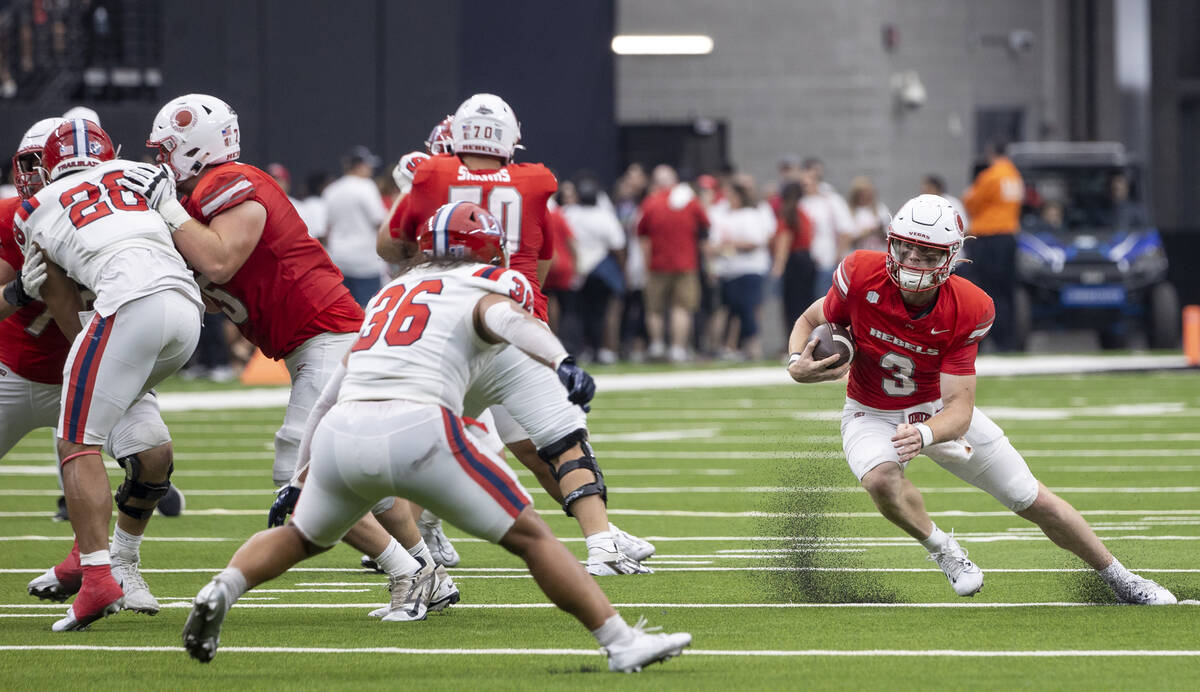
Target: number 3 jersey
105, 237
419, 336
901, 351
515, 194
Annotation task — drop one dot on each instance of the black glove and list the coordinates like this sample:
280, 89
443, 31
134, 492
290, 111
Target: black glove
285, 503
580, 385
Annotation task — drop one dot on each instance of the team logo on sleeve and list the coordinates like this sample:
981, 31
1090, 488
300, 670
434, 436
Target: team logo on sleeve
872, 297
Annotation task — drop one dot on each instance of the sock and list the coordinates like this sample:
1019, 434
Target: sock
100, 557
1114, 573
396, 561
421, 553
234, 581
613, 630
601, 541
937, 540
126, 545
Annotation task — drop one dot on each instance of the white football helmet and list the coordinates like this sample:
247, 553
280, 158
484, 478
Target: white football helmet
928, 221
484, 124
195, 131
82, 112
27, 162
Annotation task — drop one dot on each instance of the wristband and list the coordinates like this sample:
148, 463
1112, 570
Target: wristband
794, 357
173, 213
926, 434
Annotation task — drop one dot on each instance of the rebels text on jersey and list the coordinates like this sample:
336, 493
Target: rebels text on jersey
288, 290
515, 194
30, 342
419, 336
901, 352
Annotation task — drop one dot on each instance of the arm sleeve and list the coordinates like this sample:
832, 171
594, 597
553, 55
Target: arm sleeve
524, 332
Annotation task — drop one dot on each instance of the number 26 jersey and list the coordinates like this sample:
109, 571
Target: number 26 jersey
902, 351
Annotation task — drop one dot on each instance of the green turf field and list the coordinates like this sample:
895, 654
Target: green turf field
767, 553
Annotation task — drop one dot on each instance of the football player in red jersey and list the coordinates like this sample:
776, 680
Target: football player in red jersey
258, 265
917, 329
33, 350
484, 135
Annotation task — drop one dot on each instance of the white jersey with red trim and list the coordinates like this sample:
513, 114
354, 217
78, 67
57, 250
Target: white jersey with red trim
419, 335
105, 237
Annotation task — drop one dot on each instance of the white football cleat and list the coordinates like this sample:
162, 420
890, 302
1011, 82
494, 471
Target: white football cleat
411, 595
643, 648
445, 593
430, 526
629, 544
1142, 591
605, 564
137, 594
202, 631
964, 575
48, 587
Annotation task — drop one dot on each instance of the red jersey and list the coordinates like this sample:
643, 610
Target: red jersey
30, 341
901, 353
288, 290
515, 194
673, 232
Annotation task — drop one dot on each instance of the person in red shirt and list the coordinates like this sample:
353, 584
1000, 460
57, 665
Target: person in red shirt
671, 224
33, 351
792, 262
484, 136
917, 330
258, 265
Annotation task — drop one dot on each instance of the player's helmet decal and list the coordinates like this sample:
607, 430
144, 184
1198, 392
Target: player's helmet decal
466, 230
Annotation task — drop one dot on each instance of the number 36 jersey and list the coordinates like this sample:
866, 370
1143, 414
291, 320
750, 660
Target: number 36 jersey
105, 237
901, 352
419, 336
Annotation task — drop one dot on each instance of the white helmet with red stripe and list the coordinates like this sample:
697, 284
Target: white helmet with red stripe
194, 131
927, 221
27, 162
484, 124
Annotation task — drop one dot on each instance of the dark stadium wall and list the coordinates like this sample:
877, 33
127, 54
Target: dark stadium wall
311, 78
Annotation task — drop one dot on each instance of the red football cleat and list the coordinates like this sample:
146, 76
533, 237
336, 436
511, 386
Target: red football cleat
99, 596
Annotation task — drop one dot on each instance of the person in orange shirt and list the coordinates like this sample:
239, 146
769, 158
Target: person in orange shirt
993, 203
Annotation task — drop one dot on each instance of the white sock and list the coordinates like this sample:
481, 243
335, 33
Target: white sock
126, 545
937, 540
234, 581
396, 561
420, 551
601, 541
100, 557
1114, 573
613, 630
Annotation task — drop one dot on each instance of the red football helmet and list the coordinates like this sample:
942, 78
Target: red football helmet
466, 230
441, 138
74, 145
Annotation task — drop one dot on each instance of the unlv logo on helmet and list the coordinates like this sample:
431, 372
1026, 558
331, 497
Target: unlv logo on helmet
484, 110
183, 118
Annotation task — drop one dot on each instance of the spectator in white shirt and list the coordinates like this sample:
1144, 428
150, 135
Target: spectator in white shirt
739, 237
316, 212
355, 211
871, 217
599, 249
832, 224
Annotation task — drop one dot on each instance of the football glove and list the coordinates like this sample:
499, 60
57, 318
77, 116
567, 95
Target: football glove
580, 385
157, 185
33, 274
404, 171
284, 505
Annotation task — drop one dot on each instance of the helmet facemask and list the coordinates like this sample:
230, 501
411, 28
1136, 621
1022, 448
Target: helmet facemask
916, 266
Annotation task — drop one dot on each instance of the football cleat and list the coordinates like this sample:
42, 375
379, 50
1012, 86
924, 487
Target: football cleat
369, 564
445, 593
605, 564
411, 595
629, 544
644, 647
964, 575
1141, 591
61, 581
202, 631
96, 600
137, 594
443, 551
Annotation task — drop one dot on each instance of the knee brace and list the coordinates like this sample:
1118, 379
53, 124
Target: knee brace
135, 487
587, 461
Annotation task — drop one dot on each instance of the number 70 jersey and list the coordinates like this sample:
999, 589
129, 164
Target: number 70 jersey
105, 237
419, 337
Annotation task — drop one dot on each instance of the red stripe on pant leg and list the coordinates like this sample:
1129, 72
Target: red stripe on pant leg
92, 376
482, 482
73, 379
500, 473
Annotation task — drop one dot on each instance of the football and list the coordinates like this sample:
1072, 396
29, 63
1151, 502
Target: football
833, 339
